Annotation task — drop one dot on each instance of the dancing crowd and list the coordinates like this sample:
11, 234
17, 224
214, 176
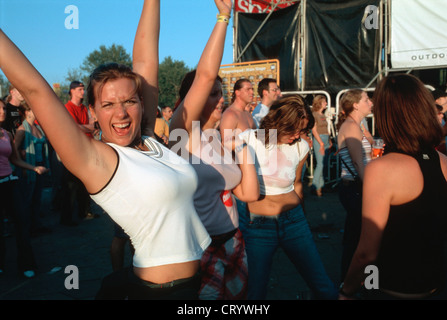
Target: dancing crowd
206, 193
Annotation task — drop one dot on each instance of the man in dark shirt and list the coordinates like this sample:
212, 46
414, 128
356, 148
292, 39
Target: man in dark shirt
13, 113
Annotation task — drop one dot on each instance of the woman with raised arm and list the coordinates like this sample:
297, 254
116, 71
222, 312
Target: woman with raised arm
145, 188
404, 219
224, 263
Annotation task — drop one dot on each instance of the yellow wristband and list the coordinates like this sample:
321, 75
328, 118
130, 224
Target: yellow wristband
223, 19
224, 14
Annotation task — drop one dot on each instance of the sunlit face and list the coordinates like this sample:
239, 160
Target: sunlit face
440, 116
246, 92
214, 104
273, 93
442, 101
167, 113
364, 106
323, 104
119, 111
17, 95
78, 93
290, 138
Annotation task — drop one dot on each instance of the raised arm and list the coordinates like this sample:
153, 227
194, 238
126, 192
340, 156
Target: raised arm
191, 107
248, 188
146, 60
71, 144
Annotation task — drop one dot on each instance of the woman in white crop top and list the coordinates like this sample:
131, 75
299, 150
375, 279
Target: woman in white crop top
277, 218
355, 153
168, 240
224, 263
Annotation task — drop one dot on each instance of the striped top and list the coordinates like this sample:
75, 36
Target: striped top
344, 155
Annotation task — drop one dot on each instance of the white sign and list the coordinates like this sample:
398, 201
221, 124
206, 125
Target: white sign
418, 33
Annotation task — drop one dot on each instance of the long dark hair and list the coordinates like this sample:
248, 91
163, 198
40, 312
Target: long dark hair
405, 114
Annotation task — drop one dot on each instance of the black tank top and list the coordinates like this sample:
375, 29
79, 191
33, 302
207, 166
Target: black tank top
411, 255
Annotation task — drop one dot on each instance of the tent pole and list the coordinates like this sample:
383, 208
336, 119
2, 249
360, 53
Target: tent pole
303, 5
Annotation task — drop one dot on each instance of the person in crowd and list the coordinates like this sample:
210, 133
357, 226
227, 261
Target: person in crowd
403, 218
442, 145
224, 263
73, 192
269, 92
32, 145
355, 153
321, 140
13, 110
9, 155
162, 124
277, 218
440, 97
147, 189
235, 118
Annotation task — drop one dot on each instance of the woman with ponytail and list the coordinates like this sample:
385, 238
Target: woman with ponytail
355, 153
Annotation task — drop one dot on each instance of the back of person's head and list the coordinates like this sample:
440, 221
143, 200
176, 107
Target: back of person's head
286, 116
405, 114
238, 86
109, 72
317, 102
264, 85
347, 104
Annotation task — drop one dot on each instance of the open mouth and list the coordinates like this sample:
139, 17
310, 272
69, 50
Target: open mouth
121, 128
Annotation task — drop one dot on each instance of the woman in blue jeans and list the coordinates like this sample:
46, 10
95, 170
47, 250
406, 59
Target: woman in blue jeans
277, 219
321, 141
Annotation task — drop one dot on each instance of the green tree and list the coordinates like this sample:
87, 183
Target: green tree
4, 86
114, 53
171, 74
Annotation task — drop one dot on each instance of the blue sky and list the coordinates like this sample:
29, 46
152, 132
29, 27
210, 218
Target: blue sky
38, 28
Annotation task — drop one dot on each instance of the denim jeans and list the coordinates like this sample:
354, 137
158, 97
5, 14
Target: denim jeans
27, 200
290, 231
318, 180
351, 198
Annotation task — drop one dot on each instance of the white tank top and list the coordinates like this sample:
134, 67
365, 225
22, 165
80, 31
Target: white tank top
275, 165
151, 197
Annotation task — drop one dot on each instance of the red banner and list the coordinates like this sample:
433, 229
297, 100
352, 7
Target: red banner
261, 6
